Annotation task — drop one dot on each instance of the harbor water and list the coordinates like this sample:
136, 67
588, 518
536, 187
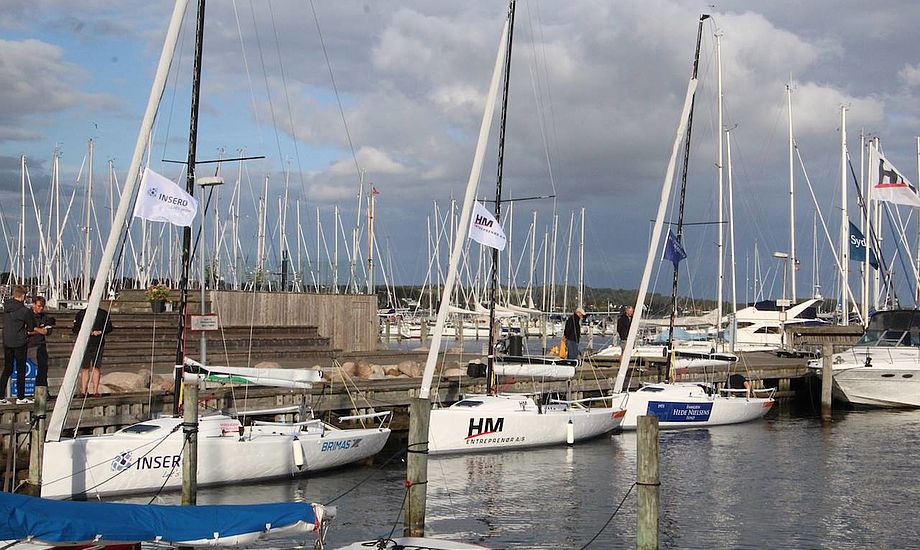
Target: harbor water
789, 481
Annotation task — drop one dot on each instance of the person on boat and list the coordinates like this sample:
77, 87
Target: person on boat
38, 346
623, 324
572, 333
17, 322
92, 357
739, 382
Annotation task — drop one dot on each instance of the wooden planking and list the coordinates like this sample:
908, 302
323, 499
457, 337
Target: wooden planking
349, 320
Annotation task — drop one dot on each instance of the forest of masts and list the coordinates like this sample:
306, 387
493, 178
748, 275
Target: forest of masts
256, 241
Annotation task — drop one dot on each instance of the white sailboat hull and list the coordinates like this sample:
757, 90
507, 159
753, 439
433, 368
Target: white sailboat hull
502, 422
130, 462
687, 405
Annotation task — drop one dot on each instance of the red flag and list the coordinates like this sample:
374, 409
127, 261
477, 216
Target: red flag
374, 191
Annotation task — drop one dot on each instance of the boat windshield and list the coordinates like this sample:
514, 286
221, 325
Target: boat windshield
892, 329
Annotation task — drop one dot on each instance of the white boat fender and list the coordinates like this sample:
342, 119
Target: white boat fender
570, 433
298, 453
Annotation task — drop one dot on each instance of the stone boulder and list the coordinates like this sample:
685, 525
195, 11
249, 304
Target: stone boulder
410, 368
162, 382
363, 369
391, 370
267, 365
123, 382
348, 367
453, 372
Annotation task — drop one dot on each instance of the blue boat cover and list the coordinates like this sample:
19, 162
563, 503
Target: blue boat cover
56, 521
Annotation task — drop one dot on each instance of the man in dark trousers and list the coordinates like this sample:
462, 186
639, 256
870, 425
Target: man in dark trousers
38, 346
623, 324
572, 333
17, 322
92, 358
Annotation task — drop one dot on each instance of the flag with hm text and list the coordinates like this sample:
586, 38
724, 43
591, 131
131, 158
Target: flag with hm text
484, 228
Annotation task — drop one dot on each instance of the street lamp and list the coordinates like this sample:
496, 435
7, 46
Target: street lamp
209, 183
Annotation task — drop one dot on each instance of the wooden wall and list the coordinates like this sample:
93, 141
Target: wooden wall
349, 320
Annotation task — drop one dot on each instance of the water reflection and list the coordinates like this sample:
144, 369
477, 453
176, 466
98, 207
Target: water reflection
786, 482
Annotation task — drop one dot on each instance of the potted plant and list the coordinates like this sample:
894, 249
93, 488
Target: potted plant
157, 296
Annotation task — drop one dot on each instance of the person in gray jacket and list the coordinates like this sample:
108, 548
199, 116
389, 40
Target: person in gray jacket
17, 322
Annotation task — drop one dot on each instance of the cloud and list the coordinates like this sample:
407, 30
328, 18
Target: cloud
595, 91
38, 84
910, 74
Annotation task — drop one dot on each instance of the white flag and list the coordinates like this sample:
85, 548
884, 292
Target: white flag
161, 200
888, 184
484, 228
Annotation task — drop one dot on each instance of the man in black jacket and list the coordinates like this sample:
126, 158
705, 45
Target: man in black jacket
623, 324
572, 333
38, 346
17, 322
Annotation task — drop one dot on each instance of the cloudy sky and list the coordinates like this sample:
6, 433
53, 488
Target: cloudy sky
596, 89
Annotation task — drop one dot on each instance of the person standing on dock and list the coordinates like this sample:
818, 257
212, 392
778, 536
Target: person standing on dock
92, 358
623, 324
38, 345
572, 333
17, 322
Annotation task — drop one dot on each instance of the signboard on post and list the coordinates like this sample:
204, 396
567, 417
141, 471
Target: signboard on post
31, 373
204, 323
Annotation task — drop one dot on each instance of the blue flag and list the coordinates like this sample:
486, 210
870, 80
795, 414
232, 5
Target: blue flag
673, 250
858, 247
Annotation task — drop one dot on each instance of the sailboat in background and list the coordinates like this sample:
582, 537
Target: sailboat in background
680, 404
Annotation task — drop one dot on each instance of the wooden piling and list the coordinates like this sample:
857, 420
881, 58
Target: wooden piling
37, 446
9, 472
388, 328
190, 452
417, 467
827, 381
423, 331
647, 482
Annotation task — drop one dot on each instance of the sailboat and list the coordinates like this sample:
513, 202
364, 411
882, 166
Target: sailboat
495, 421
148, 456
36, 524
681, 404
515, 421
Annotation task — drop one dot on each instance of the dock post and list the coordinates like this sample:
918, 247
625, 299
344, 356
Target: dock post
190, 454
388, 331
423, 331
417, 467
647, 481
827, 381
37, 447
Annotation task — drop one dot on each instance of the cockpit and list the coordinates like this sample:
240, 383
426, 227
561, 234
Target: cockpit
892, 329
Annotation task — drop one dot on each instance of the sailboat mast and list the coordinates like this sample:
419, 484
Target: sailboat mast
190, 189
792, 257
493, 334
719, 163
844, 220
683, 188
